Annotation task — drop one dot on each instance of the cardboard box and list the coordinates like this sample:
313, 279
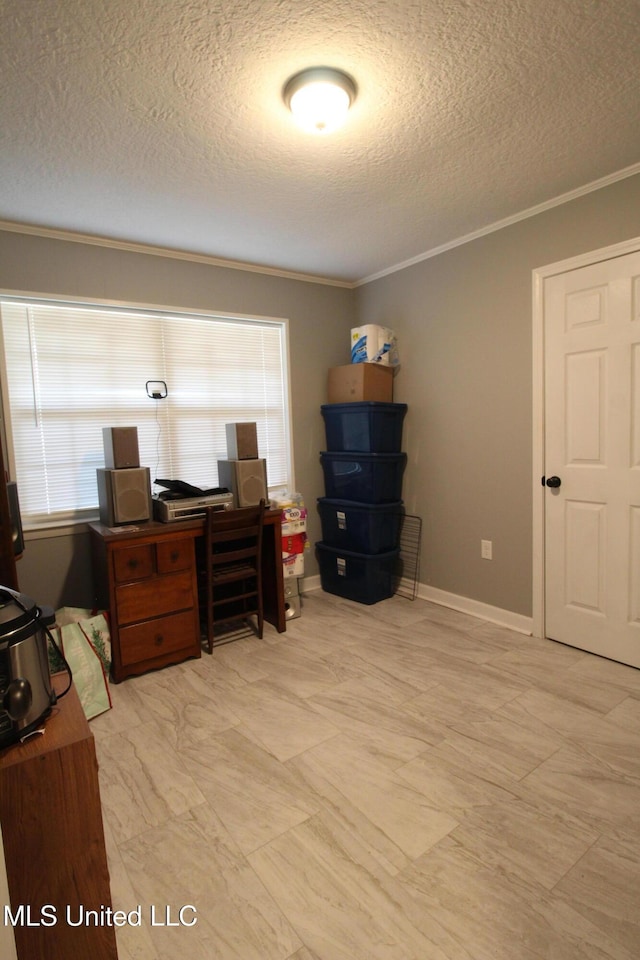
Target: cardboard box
356, 382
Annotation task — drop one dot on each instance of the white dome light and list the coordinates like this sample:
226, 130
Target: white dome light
319, 98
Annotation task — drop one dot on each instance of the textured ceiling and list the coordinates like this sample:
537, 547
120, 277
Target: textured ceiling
162, 122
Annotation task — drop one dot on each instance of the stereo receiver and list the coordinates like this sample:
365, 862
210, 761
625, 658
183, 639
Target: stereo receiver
186, 508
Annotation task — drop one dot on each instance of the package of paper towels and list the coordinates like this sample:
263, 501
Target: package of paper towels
374, 344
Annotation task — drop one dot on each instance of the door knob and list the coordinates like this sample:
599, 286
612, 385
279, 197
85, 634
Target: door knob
553, 481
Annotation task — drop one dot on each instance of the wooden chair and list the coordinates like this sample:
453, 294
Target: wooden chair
232, 570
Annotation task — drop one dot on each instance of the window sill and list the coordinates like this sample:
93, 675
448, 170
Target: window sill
57, 528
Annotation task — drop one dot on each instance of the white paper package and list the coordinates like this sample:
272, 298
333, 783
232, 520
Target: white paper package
374, 344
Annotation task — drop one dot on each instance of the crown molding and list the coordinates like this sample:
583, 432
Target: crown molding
168, 252
507, 222
50, 233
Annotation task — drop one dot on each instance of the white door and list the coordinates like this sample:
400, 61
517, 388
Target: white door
592, 458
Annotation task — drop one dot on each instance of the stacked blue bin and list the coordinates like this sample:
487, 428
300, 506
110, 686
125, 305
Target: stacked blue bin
361, 512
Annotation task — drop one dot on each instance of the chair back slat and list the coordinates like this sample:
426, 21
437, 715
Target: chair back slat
233, 554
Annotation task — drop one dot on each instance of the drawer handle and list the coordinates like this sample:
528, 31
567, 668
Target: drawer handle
132, 564
159, 640
175, 556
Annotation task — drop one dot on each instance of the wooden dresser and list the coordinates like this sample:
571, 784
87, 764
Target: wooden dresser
146, 577
53, 839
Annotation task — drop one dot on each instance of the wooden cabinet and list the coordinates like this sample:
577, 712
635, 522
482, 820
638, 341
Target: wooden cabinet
53, 839
146, 577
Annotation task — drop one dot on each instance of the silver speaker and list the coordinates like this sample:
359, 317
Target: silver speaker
120, 447
291, 588
246, 479
242, 441
292, 608
124, 495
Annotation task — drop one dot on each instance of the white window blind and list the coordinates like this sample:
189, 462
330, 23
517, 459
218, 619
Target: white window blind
71, 370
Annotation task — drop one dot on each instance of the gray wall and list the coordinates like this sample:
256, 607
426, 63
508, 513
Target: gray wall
464, 324
463, 319
56, 570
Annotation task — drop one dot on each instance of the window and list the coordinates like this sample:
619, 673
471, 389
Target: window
72, 369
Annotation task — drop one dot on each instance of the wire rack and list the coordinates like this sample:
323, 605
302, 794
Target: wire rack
408, 569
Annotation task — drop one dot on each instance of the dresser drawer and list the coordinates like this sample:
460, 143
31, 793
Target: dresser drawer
155, 638
155, 597
174, 555
133, 563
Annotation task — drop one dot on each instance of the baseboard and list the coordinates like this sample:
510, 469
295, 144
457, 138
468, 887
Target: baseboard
310, 584
483, 611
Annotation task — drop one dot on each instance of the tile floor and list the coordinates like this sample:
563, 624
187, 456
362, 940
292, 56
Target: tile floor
395, 782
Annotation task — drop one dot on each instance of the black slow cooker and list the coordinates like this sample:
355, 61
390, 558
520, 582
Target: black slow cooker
26, 694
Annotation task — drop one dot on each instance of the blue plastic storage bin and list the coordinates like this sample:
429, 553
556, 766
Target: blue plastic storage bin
365, 477
361, 527
368, 427
365, 578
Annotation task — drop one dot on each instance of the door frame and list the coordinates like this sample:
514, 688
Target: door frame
539, 275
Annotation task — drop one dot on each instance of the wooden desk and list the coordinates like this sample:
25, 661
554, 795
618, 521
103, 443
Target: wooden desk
53, 837
145, 575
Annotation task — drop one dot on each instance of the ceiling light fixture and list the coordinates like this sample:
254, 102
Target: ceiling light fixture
319, 98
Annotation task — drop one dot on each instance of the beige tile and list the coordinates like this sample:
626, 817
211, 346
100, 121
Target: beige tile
183, 704
387, 782
451, 784
473, 639
350, 664
237, 918
590, 789
626, 714
517, 839
402, 661
304, 954
399, 612
607, 671
143, 781
505, 748
236, 658
464, 694
278, 721
220, 674
435, 614
501, 638
341, 912
441, 639
606, 741
389, 802
539, 660
295, 669
583, 692
323, 638
499, 917
133, 942
350, 825
356, 708
605, 888
328, 623
255, 796
125, 713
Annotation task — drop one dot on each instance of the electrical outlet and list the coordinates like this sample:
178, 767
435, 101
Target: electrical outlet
486, 549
